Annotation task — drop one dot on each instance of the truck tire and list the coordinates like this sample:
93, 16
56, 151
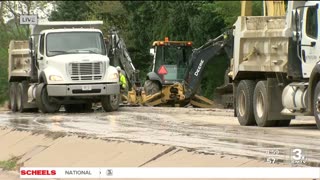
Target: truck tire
316, 104
21, 97
151, 87
261, 105
43, 102
110, 102
12, 96
244, 102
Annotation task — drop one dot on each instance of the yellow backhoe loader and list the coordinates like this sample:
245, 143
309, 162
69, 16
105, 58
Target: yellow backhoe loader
176, 72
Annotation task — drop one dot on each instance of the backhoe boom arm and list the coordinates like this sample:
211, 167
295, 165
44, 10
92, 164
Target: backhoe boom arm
201, 56
119, 55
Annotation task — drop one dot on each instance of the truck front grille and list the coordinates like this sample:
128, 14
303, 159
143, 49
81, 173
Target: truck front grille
86, 71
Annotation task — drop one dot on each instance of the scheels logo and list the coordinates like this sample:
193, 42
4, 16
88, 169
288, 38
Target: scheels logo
38, 172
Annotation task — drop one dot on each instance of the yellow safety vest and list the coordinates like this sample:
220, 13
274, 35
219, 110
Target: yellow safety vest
123, 81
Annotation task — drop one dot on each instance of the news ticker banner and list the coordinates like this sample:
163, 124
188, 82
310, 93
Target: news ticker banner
152, 172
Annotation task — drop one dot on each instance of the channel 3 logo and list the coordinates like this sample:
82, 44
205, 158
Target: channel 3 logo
298, 156
109, 172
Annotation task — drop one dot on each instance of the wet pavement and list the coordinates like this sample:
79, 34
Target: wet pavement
213, 131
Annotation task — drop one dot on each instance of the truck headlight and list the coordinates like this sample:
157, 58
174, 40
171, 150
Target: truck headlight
55, 78
115, 76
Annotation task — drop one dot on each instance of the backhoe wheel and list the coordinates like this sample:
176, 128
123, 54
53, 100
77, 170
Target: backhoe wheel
42, 100
13, 96
151, 87
261, 105
244, 102
110, 102
316, 104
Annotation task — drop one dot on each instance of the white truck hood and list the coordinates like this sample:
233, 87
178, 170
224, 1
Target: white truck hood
67, 58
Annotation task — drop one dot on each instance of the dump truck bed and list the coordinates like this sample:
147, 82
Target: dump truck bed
260, 45
19, 59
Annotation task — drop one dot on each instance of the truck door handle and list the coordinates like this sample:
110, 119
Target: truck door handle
312, 44
40, 58
303, 56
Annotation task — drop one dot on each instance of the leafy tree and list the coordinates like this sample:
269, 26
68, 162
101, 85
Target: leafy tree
10, 29
112, 13
70, 11
184, 20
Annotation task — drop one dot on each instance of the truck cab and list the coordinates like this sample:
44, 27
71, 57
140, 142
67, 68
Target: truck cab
69, 66
81, 52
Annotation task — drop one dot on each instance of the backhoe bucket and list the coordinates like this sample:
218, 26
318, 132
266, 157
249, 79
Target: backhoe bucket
201, 102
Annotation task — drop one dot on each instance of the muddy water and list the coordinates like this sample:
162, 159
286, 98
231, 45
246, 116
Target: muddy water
211, 131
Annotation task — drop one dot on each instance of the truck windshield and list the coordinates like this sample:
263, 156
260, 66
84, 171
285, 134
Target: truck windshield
75, 43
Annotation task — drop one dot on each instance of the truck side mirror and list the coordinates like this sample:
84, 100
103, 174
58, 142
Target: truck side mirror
296, 33
31, 44
152, 52
31, 47
107, 45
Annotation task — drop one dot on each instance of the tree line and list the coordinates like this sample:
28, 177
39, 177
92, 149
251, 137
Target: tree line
139, 23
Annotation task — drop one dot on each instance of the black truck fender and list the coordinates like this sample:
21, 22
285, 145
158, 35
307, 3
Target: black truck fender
313, 81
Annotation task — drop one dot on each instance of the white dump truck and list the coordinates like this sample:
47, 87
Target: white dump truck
63, 63
275, 68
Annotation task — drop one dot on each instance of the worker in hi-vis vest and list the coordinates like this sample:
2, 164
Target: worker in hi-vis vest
122, 79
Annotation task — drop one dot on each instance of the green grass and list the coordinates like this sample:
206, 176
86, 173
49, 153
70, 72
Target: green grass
10, 164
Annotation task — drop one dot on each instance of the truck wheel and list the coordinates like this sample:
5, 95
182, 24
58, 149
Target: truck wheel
151, 87
42, 100
110, 102
12, 96
21, 98
261, 105
316, 104
244, 101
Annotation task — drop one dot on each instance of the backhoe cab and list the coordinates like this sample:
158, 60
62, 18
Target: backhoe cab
170, 63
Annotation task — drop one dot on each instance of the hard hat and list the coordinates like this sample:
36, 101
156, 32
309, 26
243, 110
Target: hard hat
118, 68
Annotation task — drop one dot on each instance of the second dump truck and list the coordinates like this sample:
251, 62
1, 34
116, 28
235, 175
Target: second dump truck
275, 69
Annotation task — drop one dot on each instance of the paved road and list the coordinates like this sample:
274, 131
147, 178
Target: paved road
213, 131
